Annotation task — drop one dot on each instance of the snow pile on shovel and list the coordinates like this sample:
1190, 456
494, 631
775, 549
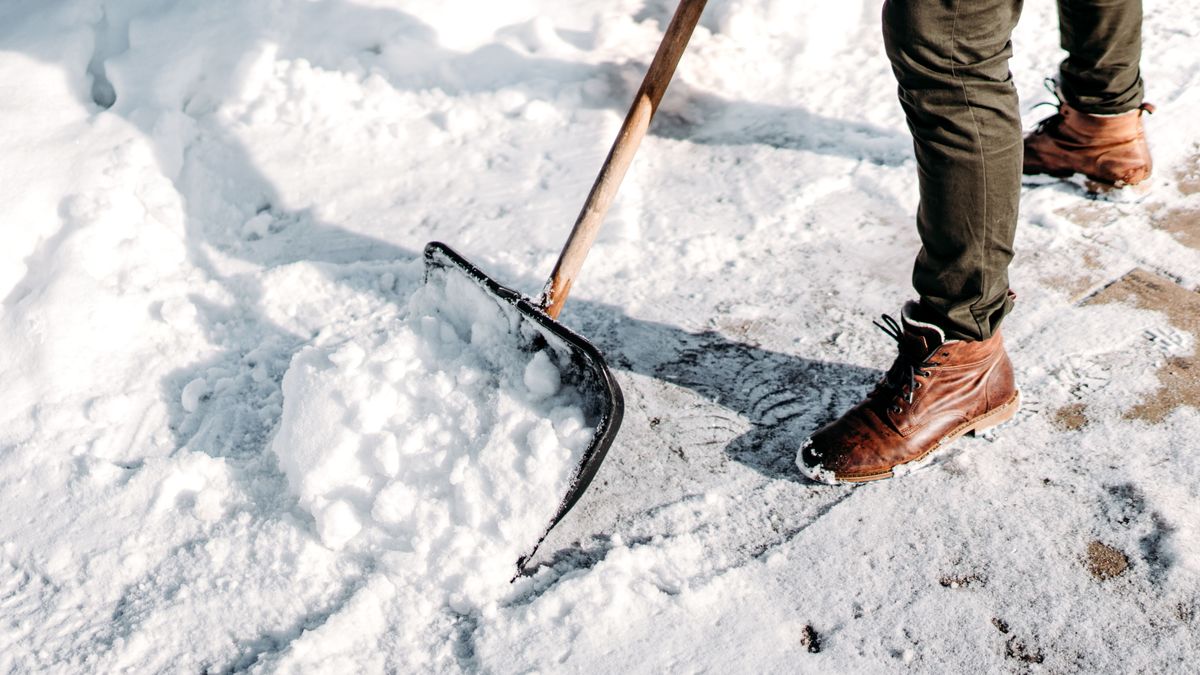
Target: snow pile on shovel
440, 437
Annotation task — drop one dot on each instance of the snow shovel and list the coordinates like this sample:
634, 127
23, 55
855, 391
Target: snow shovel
583, 364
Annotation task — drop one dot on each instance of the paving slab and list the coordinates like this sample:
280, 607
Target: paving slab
1179, 375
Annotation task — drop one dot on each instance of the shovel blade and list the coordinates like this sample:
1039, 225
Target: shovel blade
582, 366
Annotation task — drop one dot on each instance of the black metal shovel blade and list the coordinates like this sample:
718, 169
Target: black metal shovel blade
579, 362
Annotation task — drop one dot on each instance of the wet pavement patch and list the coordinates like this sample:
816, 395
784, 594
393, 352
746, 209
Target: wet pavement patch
1187, 178
1179, 376
1181, 223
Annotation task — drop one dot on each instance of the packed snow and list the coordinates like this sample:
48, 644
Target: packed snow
234, 420
440, 435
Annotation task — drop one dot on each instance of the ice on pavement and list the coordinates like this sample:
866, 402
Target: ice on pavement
439, 435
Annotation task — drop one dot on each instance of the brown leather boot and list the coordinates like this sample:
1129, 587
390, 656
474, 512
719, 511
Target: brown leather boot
1110, 150
936, 391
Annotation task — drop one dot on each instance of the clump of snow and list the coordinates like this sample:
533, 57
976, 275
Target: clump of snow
193, 392
541, 377
337, 522
258, 226
439, 434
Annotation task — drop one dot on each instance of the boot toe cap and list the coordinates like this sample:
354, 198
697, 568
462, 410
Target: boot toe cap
810, 461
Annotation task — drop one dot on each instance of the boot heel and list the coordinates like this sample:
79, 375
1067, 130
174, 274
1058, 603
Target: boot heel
997, 417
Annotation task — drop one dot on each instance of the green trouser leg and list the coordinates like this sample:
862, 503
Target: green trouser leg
950, 58
1103, 39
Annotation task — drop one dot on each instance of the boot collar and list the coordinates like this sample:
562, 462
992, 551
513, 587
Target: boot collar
1075, 123
919, 338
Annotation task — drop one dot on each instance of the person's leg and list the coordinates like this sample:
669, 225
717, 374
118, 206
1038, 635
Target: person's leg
1103, 38
1097, 130
950, 58
952, 375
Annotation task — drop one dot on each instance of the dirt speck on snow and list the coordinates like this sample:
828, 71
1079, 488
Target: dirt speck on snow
1071, 417
1016, 649
962, 581
810, 640
1185, 612
1104, 561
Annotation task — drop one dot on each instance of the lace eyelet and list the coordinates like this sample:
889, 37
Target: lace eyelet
917, 385
895, 409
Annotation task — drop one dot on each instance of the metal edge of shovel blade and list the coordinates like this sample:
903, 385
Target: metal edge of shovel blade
612, 408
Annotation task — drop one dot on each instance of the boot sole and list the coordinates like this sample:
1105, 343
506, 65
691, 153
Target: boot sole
1111, 191
992, 418
1091, 184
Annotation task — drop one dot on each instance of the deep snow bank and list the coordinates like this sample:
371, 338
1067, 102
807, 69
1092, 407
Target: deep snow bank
439, 435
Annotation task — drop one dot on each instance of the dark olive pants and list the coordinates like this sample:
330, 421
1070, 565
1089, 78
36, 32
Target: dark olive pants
950, 58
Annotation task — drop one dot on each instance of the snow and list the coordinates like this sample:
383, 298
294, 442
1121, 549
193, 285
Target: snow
437, 434
193, 392
228, 391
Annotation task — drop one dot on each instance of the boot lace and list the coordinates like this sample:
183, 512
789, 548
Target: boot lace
901, 378
1052, 121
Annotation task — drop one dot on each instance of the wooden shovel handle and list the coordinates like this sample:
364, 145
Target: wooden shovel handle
604, 190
